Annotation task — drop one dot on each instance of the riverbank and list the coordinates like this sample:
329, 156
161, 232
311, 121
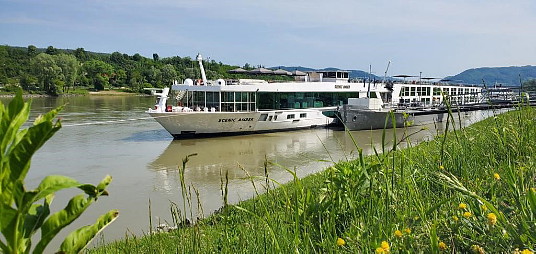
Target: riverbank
94, 93
469, 190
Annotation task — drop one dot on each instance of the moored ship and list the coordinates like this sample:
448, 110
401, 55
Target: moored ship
230, 107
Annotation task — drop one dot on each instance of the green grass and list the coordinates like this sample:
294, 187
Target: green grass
435, 197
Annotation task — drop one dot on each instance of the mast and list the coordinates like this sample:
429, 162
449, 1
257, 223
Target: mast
370, 73
385, 74
203, 75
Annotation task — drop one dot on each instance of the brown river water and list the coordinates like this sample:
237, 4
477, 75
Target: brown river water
112, 135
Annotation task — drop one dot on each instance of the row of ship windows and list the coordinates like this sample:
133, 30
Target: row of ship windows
425, 91
265, 117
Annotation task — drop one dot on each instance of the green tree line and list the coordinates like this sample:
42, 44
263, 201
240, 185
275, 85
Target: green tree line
56, 71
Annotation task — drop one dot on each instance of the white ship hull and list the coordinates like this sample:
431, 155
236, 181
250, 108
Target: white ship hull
187, 124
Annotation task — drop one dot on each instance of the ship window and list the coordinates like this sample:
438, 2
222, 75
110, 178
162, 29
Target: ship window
303, 115
263, 117
291, 116
227, 107
227, 96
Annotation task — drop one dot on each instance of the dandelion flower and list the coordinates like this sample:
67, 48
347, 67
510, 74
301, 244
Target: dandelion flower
497, 176
442, 246
441, 167
407, 230
385, 246
477, 249
526, 252
492, 218
340, 242
467, 214
462, 206
455, 218
398, 233
380, 250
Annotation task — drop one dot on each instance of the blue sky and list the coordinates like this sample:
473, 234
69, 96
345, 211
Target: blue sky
435, 37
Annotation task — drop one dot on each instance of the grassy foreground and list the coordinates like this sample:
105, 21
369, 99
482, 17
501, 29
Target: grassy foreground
467, 191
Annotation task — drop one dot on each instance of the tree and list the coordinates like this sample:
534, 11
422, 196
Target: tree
81, 54
137, 57
51, 50
32, 50
168, 74
28, 82
119, 78
69, 69
46, 70
117, 58
136, 80
154, 75
98, 73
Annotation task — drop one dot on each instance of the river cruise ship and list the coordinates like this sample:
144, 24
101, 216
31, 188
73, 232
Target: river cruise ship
224, 107
409, 102
229, 107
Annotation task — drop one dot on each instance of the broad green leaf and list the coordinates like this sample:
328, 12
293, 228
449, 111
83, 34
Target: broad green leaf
79, 239
57, 221
22, 152
49, 185
35, 218
17, 114
8, 217
89, 189
105, 182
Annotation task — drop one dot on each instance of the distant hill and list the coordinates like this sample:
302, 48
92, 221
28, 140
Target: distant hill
354, 74
508, 76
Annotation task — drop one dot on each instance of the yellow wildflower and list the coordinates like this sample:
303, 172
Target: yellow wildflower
477, 249
441, 167
484, 207
496, 176
407, 230
380, 250
442, 246
467, 214
385, 246
398, 233
492, 218
462, 206
527, 251
340, 242
455, 218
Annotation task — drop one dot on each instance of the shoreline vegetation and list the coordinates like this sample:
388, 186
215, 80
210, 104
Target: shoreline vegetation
469, 190
86, 93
